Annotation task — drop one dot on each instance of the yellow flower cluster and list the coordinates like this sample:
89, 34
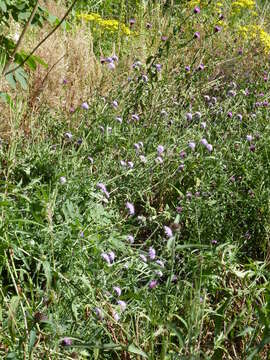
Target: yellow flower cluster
243, 4
251, 32
110, 25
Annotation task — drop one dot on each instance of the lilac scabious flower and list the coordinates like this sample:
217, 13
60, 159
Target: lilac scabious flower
68, 135
136, 65
164, 38
240, 117
160, 263
197, 35
229, 114
62, 180
207, 98
103, 188
181, 167
152, 284
140, 143
189, 195
183, 154
252, 148
249, 138
159, 273
200, 67
187, 68
189, 116
98, 313
135, 117
130, 208
66, 341
106, 258
136, 146
123, 163
158, 67
204, 142
143, 159
159, 160
168, 231
85, 106
132, 21
179, 209
130, 238
151, 253
160, 149
145, 78
196, 10
111, 255
209, 147
122, 304
115, 104
192, 145
72, 109
115, 58
117, 290
119, 119
232, 93
116, 316
130, 164
143, 258
111, 66
198, 115
203, 125
217, 29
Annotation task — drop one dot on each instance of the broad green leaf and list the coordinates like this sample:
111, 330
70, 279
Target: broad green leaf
21, 79
32, 340
134, 350
11, 81
3, 6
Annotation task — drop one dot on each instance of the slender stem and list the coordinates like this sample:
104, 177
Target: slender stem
43, 40
11, 58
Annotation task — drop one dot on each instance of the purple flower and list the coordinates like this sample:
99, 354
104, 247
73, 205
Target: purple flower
203, 125
116, 316
168, 231
204, 142
136, 146
197, 35
249, 138
98, 313
189, 195
106, 258
179, 209
232, 93
117, 290
196, 10
198, 115
135, 117
181, 167
158, 67
229, 114
164, 38
209, 147
145, 78
152, 253
152, 284
160, 149
214, 242
187, 68
122, 305
192, 145
136, 65
252, 148
66, 341
130, 164
217, 29
111, 66
62, 180
189, 116
207, 98
200, 67
115, 104
240, 117
183, 154
115, 58
111, 255
160, 263
130, 208
143, 159
103, 188
130, 238
65, 81
159, 160
72, 109
85, 106
119, 119
132, 21
143, 258
123, 163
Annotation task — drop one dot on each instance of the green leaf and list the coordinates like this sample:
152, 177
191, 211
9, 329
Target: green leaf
21, 79
6, 98
134, 350
3, 6
14, 303
11, 81
32, 340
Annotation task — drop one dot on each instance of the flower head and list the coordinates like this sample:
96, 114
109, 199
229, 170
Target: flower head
130, 238
151, 253
197, 35
85, 106
168, 231
189, 116
152, 284
66, 341
117, 290
192, 145
196, 10
130, 208
122, 304
160, 149
62, 180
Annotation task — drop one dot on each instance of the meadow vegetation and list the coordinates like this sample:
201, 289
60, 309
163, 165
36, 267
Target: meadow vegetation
134, 180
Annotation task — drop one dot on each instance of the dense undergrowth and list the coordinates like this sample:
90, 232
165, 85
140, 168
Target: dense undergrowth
135, 203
